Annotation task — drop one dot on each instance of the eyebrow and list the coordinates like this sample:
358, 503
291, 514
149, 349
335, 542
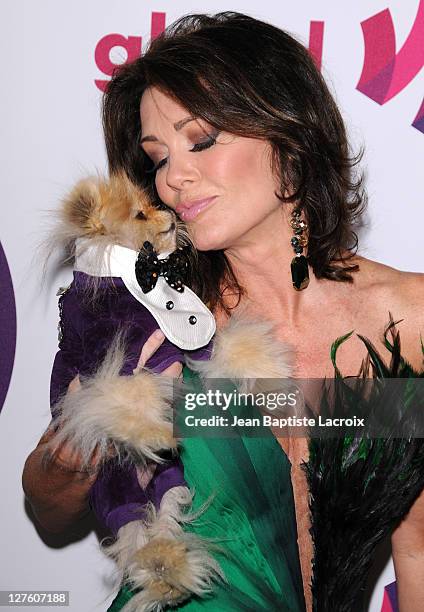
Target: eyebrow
177, 126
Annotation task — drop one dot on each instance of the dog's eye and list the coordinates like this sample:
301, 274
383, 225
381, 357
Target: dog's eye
161, 206
140, 215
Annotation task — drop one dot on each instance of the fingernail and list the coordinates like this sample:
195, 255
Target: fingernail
159, 334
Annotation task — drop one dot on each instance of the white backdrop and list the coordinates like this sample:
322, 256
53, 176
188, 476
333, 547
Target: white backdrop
51, 135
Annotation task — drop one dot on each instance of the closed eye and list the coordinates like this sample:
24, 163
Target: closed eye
206, 144
161, 206
200, 146
157, 166
141, 216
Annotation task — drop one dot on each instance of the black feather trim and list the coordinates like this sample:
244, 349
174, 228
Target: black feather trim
360, 488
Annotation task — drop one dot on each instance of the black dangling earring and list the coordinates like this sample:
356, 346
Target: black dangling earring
299, 264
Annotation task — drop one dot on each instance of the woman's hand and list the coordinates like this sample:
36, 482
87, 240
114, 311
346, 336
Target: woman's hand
57, 484
66, 458
150, 347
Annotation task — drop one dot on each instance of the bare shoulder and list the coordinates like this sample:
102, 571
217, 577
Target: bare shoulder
392, 289
389, 291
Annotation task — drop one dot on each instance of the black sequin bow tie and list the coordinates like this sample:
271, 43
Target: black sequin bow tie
149, 267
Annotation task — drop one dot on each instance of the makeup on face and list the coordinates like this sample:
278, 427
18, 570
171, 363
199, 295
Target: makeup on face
221, 184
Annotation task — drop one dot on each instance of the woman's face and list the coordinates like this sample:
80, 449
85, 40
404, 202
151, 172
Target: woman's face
220, 184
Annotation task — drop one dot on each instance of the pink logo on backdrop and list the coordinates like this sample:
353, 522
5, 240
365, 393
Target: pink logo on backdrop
7, 326
316, 41
385, 72
390, 600
131, 44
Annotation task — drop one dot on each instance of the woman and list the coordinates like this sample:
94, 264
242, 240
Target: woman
229, 121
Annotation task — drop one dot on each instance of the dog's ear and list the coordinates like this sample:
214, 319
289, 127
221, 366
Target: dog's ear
82, 207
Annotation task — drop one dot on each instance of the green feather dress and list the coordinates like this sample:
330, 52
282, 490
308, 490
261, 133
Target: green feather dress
360, 489
245, 484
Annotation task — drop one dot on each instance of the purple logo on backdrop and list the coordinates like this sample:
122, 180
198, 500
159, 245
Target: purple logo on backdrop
7, 327
385, 73
390, 600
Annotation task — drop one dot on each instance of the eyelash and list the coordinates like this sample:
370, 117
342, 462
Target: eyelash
201, 146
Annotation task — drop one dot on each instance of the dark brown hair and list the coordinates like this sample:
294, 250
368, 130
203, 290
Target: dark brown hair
252, 79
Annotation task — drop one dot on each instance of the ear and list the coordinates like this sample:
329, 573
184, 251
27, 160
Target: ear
81, 208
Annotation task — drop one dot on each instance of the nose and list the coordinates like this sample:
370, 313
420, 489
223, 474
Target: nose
181, 171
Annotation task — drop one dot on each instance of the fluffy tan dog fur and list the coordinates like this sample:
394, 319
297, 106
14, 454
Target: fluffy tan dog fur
109, 211
133, 414
157, 556
247, 352
117, 211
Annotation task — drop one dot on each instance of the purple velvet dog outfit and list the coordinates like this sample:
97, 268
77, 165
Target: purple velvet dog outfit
87, 328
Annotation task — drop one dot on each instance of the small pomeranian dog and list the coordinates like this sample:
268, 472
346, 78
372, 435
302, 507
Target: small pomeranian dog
116, 211
102, 329
113, 221
101, 212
